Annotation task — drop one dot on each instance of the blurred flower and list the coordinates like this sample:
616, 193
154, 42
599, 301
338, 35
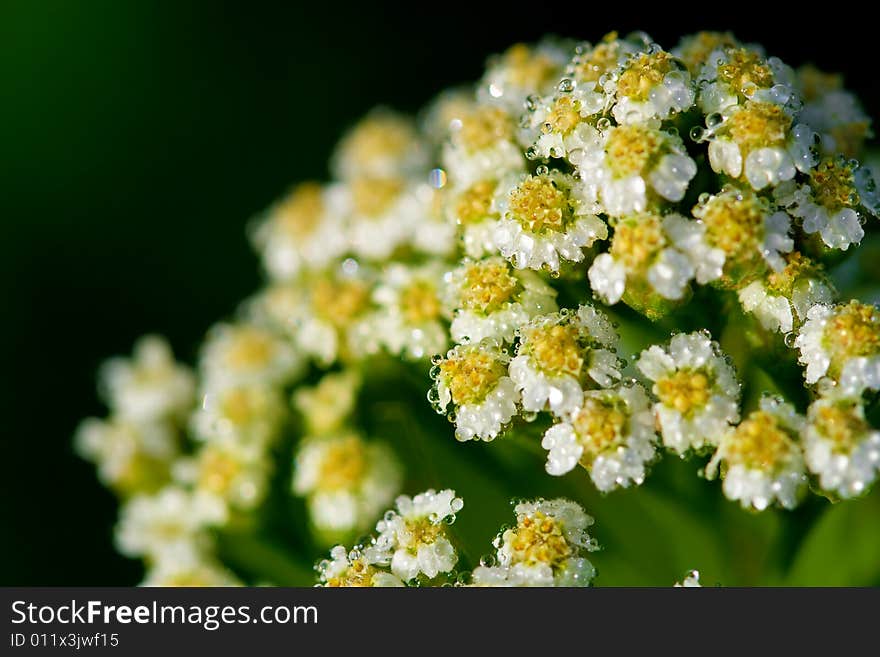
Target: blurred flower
247, 354
326, 406
249, 414
691, 580
383, 144
832, 111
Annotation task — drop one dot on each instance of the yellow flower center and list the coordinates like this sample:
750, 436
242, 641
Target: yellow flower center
488, 286
250, 348
538, 539
217, 470
643, 73
600, 426
686, 391
339, 301
734, 223
556, 350
636, 240
850, 137
485, 127
852, 332
538, 204
697, 49
745, 72
343, 465
241, 406
842, 425
528, 69
833, 185
599, 61
377, 138
797, 266
759, 443
815, 83
471, 376
475, 203
630, 149
758, 125
564, 116
358, 574
373, 196
419, 302
423, 532
301, 211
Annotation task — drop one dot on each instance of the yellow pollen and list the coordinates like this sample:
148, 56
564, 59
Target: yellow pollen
241, 405
556, 349
373, 196
539, 205
250, 349
488, 286
600, 426
815, 83
471, 376
631, 148
217, 471
797, 265
343, 465
746, 72
842, 425
697, 49
358, 574
564, 116
759, 443
849, 138
339, 301
644, 73
300, 212
539, 539
686, 391
757, 125
485, 127
636, 240
833, 185
419, 302
852, 332
423, 532
376, 138
475, 203
601, 59
734, 223
529, 69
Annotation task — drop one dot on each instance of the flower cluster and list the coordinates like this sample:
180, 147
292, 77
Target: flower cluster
593, 250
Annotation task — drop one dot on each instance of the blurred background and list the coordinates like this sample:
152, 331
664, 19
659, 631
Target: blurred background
137, 138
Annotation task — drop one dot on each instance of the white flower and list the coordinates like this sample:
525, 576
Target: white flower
689, 237
169, 525
482, 145
411, 316
522, 70
842, 342
691, 581
347, 480
473, 209
651, 85
611, 434
837, 198
783, 298
544, 220
733, 75
563, 124
547, 545
247, 413
743, 227
303, 230
383, 144
247, 354
694, 50
327, 405
762, 461
234, 474
198, 571
150, 386
492, 300
472, 378
697, 390
625, 168
559, 353
433, 233
355, 568
414, 538
757, 142
841, 447
130, 457
643, 252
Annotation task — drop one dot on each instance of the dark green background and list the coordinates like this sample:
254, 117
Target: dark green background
137, 138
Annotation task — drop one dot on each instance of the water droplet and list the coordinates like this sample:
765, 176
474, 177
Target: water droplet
566, 85
714, 120
542, 170
697, 134
531, 153
437, 178
789, 339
